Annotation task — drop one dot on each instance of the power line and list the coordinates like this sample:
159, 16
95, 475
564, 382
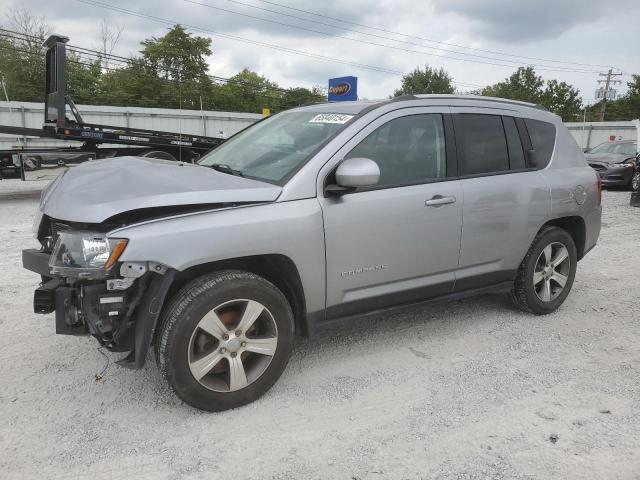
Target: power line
438, 42
97, 56
213, 77
511, 64
165, 21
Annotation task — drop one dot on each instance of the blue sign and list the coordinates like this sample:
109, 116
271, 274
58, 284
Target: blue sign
343, 89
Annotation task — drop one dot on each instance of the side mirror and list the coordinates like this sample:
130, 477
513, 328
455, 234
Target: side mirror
353, 173
586, 150
357, 172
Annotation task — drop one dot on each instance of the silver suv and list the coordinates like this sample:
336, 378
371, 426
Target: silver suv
312, 217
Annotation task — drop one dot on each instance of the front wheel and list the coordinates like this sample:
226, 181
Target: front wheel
635, 182
225, 339
546, 274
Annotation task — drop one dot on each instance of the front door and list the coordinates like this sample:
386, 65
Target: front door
398, 242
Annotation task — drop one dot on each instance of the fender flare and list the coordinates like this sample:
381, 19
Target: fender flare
147, 319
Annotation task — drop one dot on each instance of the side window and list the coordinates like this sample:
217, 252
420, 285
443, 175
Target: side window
516, 152
484, 147
543, 138
407, 149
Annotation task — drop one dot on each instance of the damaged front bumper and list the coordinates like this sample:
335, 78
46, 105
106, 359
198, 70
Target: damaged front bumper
121, 312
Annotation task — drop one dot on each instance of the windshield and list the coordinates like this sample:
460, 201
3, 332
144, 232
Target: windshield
613, 147
272, 149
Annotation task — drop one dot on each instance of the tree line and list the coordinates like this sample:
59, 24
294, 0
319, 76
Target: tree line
172, 72
525, 85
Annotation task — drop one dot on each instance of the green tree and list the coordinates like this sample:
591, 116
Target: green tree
178, 55
137, 85
247, 91
295, 97
524, 85
428, 80
21, 63
562, 99
83, 79
179, 58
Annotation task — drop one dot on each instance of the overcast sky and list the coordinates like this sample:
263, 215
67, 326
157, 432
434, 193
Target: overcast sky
592, 34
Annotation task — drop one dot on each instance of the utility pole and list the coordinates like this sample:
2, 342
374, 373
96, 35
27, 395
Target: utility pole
607, 83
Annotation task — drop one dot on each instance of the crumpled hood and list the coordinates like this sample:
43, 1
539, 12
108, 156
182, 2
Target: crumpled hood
99, 189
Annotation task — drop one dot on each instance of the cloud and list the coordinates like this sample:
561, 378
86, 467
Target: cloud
579, 31
526, 21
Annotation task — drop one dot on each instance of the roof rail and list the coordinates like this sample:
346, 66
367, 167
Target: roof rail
473, 97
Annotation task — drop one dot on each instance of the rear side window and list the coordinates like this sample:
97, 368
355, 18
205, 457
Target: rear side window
516, 153
484, 147
543, 138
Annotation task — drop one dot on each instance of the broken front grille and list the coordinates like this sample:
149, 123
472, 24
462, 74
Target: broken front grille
49, 233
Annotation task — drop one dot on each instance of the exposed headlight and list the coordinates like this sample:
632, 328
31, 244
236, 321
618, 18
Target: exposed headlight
76, 253
622, 165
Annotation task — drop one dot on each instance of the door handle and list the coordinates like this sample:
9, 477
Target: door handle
439, 200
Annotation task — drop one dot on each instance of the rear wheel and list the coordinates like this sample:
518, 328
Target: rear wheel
225, 339
546, 274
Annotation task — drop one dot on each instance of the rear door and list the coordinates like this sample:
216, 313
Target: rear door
505, 199
397, 242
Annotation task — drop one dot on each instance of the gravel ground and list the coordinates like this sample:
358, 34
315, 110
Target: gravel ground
471, 389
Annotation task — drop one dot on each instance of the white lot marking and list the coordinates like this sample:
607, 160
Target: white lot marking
472, 389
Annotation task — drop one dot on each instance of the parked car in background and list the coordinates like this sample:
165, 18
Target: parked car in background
312, 217
616, 162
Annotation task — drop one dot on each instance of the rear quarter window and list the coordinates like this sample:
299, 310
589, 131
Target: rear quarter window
543, 138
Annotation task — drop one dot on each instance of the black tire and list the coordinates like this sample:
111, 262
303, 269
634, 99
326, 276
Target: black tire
179, 323
635, 182
31, 163
524, 294
160, 154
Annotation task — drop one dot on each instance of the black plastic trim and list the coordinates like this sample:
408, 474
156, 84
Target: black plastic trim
479, 281
388, 300
44, 297
36, 261
502, 287
147, 318
493, 174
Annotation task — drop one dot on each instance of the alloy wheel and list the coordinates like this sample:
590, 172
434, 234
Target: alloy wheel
551, 271
232, 345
